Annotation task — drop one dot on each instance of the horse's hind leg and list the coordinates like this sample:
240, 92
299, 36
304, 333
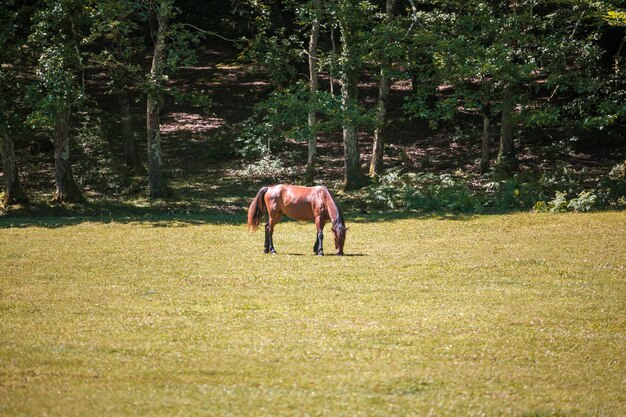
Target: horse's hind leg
275, 218
267, 238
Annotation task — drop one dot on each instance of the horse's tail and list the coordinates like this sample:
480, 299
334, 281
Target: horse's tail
255, 211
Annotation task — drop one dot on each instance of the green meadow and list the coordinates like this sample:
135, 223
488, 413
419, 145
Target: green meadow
506, 315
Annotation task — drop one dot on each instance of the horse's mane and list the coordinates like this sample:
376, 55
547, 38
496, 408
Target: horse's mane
338, 221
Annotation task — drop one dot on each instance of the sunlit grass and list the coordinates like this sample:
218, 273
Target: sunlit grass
521, 315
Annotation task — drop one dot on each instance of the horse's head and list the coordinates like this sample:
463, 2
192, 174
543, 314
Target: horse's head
340, 231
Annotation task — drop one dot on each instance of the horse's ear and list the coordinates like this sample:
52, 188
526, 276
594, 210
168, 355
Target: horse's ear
347, 228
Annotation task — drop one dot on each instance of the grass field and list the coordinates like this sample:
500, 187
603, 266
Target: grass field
511, 315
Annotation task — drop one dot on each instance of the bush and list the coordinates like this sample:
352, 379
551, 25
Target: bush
426, 192
584, 202
564, 189
519, 192
96, 168
267, 167
611, 190
559, 203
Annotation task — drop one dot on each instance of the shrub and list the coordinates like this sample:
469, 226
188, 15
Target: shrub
611, 190
424, 192
519, 192
267, 167
559, 203
584, 202
564, 189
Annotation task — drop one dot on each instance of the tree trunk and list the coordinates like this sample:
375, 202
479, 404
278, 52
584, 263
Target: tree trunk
13, 194
484, 155
133, 161
67, 190
313, 77
506, 152
376, 164
331, 72
157, 186
156, 182
353, 176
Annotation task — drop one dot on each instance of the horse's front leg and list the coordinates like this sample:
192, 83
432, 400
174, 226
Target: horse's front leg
318, 248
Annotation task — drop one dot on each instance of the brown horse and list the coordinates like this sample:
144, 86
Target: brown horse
299, 203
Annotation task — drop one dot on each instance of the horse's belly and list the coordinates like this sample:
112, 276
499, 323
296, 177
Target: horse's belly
299, 212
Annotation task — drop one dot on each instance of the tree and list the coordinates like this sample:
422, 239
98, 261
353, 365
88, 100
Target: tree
161, 15
11, 88
56, 30
500, 55
380, 131
116, 26
173, 48
313, 85
14, 194
600, 102
350, 18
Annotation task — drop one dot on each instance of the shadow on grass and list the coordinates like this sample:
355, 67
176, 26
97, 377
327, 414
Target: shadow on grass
56, 217
223, 204
314, 255
174, 214
394, 216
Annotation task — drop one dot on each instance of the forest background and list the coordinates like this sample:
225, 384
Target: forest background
188, 107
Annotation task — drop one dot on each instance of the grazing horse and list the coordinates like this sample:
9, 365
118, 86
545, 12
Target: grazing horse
299, 203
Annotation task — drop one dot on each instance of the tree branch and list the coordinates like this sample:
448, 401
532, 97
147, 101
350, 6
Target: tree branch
414, 9
208, 32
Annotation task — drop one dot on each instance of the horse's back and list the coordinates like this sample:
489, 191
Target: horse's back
297, 202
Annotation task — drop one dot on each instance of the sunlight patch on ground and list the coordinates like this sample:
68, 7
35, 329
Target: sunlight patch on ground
191, 122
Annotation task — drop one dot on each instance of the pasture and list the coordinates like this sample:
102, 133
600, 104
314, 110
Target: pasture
508, 315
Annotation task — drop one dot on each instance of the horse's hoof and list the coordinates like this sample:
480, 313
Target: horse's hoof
273, 252
320, 253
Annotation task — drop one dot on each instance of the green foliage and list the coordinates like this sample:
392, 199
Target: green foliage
426, 192
559, 203
273, 50
269, 167
283, 116
96, 167
462, 55
253, 139
608, 192
117, 27
584, 202
57, 31
14, 80
517, 193
611, 190
530, 49
563, 189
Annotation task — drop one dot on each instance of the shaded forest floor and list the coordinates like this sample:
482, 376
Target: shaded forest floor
206, 177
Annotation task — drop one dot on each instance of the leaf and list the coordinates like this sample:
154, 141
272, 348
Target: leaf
616, 18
